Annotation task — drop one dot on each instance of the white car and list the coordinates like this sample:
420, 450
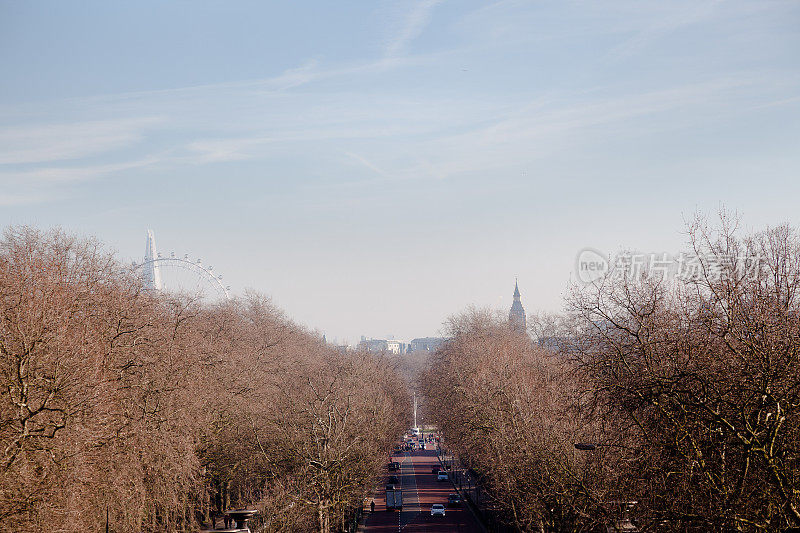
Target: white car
437, 509
441, 476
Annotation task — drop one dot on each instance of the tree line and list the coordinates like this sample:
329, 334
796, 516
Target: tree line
153, 412
683, 395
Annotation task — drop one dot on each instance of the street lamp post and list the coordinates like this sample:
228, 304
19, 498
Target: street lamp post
586, 446
625, 524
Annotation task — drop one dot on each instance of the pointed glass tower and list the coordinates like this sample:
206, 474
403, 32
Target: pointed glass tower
152, 270
516, 316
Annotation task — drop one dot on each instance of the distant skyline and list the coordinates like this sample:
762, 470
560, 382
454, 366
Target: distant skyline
375, 167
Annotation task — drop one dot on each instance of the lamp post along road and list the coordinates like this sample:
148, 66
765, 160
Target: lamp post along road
624, 524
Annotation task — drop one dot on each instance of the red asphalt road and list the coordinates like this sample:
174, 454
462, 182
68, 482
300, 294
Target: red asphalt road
420, 491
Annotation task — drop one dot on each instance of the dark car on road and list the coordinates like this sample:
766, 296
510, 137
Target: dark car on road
393, 480
435, 469
454, 500
394, 466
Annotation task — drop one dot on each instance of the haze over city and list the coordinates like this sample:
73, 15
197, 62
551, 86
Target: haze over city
479, 266
375, 167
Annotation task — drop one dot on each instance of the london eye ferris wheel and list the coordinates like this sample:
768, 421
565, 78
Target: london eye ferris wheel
179, 274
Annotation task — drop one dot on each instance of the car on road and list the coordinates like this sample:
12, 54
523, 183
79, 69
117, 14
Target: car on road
394, 466
435, 469
437, 509
394, 480
441, 476
454, 500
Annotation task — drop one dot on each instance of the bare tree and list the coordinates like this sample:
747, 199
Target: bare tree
700, 378
510, 410
160, 412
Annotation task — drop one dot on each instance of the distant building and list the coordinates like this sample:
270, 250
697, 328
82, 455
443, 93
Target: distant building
427, 344
516, 316
556, 343
342, 348
396, 347
373, 345
382, 345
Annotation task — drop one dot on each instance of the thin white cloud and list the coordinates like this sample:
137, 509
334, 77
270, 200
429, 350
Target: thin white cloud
415, 22
352, 108
443, 138
364, 161
25, 187
672, 17
534, 131
53, 142
50, 176
303, 73
14, 200
222, 150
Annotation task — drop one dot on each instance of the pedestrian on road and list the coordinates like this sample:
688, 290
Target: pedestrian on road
372, 506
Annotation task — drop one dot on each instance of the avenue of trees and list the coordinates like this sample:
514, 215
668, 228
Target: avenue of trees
689, 390
507, 409
159, 412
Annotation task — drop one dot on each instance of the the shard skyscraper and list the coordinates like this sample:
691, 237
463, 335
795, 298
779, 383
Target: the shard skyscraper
152, 269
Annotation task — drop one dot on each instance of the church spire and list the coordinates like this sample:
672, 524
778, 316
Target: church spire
516, 315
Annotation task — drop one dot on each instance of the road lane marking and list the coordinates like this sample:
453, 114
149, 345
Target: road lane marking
405, 517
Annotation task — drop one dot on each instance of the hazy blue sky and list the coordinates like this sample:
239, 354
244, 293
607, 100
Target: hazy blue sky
377, 166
